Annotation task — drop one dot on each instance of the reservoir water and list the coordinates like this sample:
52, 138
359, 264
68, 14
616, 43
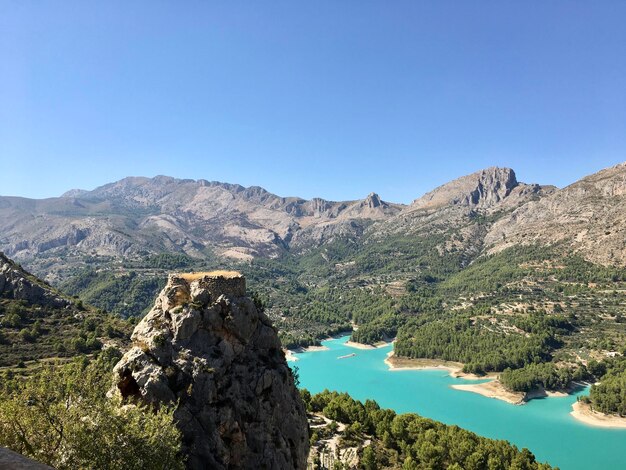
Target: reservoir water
544, 426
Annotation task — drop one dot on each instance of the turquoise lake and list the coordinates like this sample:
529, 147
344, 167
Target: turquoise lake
544, 426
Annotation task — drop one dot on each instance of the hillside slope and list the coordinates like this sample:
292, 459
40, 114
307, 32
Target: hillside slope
38, 322
135, 217
586, 217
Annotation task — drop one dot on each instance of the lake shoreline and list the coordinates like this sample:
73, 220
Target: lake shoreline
320, 347
491, 388
583, 413
545, 426
454, 368
290, 353
353, 344
495, 389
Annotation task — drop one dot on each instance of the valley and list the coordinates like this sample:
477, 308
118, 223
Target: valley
472, 273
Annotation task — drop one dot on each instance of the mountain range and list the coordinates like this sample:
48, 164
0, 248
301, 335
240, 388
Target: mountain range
136, 217
139, 216
521, 280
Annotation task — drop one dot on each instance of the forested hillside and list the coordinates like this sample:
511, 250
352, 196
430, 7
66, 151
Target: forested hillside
432, 274
39, 322
409, 441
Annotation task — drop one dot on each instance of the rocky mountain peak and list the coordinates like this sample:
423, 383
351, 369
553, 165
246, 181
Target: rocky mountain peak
373, 200
74, 193
587, 217
206, 347
481, 190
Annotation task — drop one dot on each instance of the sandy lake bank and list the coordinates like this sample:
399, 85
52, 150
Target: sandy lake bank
355, 345
583, 412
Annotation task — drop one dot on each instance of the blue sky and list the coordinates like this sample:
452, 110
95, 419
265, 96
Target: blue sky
327, 98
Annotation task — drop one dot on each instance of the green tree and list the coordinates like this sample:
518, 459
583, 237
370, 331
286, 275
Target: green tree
61, 417
368, 461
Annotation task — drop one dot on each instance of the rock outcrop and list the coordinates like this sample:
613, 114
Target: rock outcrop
586, 218
481, 190
17, 284
207, 348
451, 211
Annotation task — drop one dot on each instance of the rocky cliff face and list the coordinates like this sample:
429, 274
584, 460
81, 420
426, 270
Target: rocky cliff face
586, 217
450, 211
484, 189
17, 284
206, 347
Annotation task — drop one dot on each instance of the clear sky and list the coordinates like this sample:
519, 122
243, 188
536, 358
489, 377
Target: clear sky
330, 98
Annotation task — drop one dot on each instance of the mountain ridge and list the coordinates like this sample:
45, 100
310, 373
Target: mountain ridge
137, 217
587, 216
140, 215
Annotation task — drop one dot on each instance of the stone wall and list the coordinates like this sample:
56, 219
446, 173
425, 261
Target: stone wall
233, 285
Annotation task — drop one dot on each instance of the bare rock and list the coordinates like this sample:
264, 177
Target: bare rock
482, 189
205, 347
586, 218
15, 283
14, 461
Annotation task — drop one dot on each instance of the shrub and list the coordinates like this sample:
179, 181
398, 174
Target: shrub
93, 431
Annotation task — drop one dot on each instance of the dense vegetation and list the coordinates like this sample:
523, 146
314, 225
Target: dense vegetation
544, 375
609, 396
125, 294
525, 306
411, 442
31, 332
61, 416
478, 347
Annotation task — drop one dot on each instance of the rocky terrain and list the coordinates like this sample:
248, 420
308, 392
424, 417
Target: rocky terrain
451, 211
17, 284
14, 461
37, 321
139, 216
484, 189
206, 347
586, 217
